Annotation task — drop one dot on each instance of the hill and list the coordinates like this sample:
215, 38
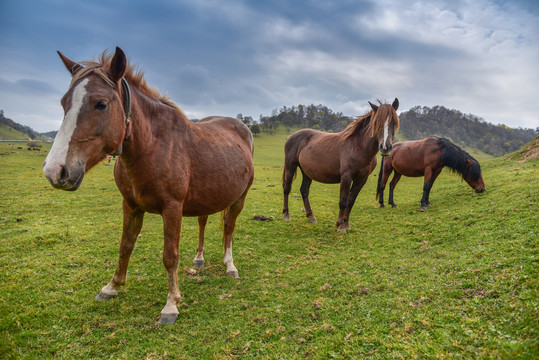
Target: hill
11, 130
459, 280
417, 123
465, 129
9, 133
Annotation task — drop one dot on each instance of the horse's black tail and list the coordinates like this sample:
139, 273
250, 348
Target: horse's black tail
379, 187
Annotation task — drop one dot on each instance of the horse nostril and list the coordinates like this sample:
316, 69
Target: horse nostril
64, 174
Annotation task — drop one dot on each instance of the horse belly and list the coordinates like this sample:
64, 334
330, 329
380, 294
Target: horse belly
319, 168
217, 190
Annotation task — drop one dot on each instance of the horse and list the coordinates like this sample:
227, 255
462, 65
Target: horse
427, 158
166, 164
347, 157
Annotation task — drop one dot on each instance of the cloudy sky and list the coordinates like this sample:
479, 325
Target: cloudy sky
224, 57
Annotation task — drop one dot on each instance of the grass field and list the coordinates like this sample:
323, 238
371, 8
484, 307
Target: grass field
457, 281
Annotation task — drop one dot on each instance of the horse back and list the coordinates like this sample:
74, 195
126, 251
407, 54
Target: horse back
233, 127
410, 158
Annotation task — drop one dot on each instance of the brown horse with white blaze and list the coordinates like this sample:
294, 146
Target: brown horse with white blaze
347, 157
166, 165
427, 158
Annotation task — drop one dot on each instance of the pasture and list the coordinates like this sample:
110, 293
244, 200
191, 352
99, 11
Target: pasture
457, 281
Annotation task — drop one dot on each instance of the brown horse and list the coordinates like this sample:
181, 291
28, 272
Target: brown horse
427, 158
347, 157
167, 164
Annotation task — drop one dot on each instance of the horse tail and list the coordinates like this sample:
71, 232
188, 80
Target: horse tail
379, 187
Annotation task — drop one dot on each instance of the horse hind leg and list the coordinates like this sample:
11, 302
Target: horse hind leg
229, 224
288, 177
304, 190
392, 186
198, 261
132, 224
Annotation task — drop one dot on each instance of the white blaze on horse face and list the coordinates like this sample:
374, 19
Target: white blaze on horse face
58, 153
386, 133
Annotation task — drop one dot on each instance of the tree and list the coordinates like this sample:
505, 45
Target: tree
255, 129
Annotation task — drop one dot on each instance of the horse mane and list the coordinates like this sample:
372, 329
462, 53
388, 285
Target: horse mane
372, 126
454, 157
132, 74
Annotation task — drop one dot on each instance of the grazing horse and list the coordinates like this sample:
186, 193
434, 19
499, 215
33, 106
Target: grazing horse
167, 165
347, 157
427, 158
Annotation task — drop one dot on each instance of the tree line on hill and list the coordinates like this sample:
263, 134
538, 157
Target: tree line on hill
465, 129
417, 123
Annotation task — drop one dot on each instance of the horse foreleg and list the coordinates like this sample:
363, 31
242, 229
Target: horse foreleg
354, 192
172, 219
288, 178
385, 172
132, 223
343, 203
392, 185
427, 186
199, 259
229, 224
304, 190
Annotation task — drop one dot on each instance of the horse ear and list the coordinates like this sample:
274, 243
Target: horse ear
373, 107
118, 64
395, 104
71, 66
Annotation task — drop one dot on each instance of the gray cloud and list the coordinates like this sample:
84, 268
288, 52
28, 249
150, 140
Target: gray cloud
215, 57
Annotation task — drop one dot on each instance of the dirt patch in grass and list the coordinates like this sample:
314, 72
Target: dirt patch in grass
529, 152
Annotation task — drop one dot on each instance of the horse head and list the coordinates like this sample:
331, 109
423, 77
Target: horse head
95, 120
474, 178
384, 124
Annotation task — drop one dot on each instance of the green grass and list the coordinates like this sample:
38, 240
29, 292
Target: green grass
457, 281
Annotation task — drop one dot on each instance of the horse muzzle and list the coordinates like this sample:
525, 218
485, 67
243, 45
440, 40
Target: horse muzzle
480, 190
385, 150
63, 176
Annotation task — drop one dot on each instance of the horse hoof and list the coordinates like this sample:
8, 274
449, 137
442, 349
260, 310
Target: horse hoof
168, 319
341, 229
233, 274
393, 206
286, 217
101, 296
423, 208
198, 264
382, 206
313, 221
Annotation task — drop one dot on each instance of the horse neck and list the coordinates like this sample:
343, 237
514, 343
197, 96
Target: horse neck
153, 123
364, 143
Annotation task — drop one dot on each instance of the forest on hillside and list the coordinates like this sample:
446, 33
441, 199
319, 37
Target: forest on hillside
417, 123
465, 129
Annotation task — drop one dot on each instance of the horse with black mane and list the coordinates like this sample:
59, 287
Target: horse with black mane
347, 157
167, 164
427, 158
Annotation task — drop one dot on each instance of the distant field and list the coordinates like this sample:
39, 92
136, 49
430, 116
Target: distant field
457, 281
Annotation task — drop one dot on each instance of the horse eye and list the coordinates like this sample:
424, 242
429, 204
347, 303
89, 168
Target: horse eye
100, 106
